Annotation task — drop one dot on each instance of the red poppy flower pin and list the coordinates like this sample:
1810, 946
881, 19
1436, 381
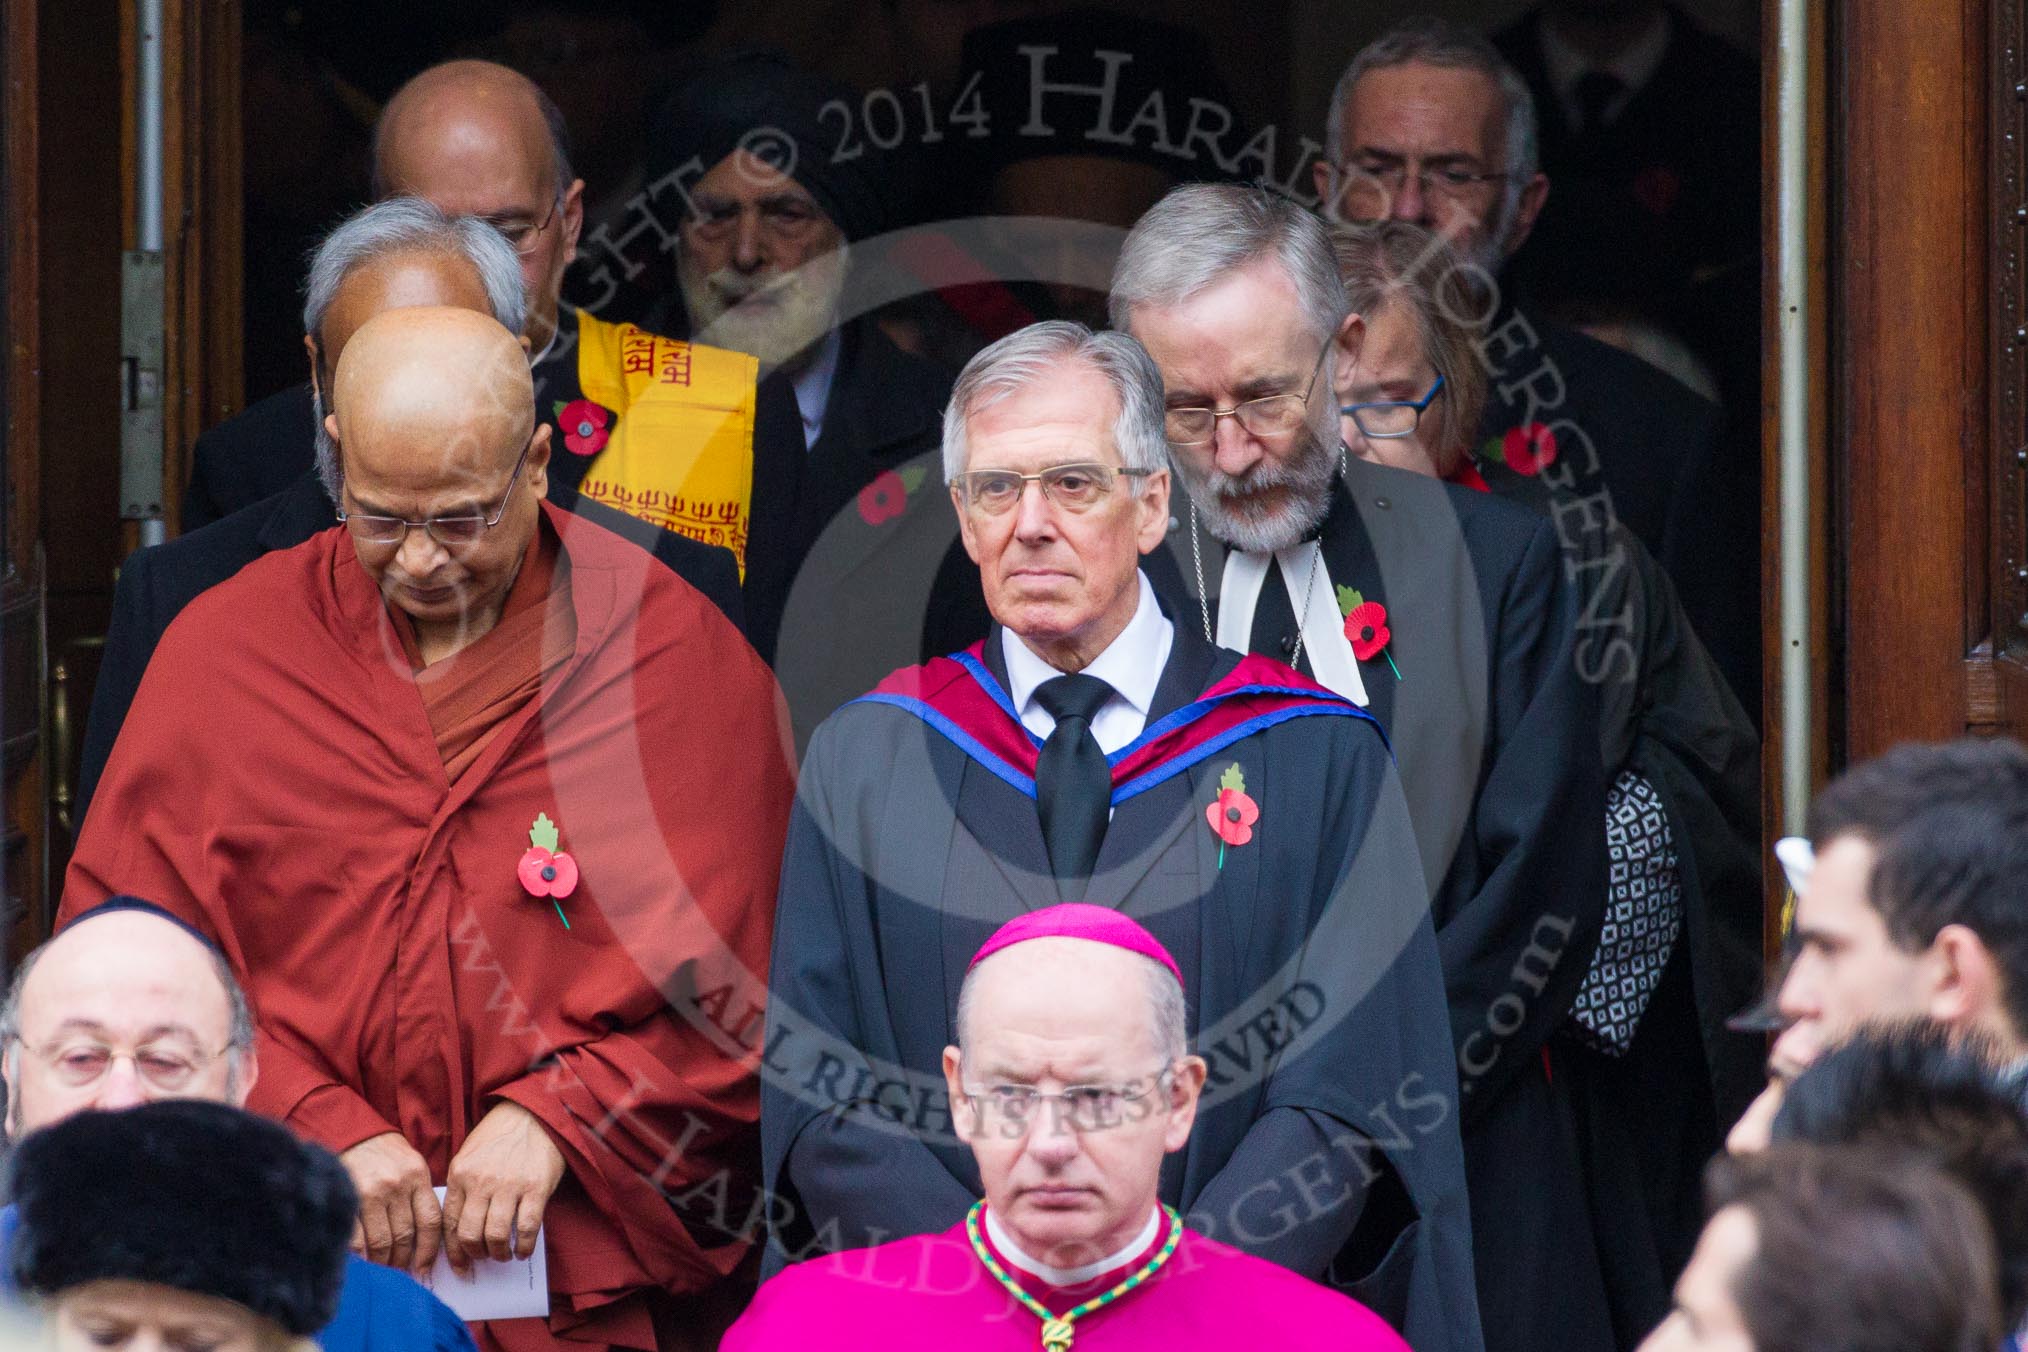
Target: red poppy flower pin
887, 496
1366, 627
545, 870
586, 426
1232, 814
1528, 449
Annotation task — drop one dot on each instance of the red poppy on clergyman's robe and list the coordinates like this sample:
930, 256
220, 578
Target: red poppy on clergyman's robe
282, 783
931, 1294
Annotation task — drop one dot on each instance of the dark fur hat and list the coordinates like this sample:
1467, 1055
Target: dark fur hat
188, 1194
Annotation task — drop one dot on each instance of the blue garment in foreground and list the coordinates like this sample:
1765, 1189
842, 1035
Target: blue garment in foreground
379, 1309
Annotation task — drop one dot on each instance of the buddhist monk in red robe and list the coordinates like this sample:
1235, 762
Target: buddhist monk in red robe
486, 806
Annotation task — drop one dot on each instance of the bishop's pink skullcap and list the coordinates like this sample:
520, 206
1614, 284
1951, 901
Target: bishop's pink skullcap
1078, 920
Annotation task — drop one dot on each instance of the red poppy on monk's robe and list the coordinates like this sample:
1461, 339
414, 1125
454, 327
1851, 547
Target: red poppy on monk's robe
348, 823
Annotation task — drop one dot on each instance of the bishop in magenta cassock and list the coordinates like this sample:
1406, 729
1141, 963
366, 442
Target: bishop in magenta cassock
1070, 1083
485, 806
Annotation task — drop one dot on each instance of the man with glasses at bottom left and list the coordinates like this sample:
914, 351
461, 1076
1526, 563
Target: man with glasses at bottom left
129, 1006
1095, 748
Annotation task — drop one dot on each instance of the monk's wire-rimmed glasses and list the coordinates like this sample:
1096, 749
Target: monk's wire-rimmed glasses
167, 1067
1270, 416
1075, 488
1385, 419
452, 532
1083, 1107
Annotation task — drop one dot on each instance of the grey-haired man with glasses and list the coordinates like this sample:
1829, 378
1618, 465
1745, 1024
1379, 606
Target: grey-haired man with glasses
1096, 748
1430, 124
1443, 613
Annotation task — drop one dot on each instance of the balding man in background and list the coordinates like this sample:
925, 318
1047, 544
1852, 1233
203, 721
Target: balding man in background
478, 139
452, 843
128, 1006
401, 252
663, 430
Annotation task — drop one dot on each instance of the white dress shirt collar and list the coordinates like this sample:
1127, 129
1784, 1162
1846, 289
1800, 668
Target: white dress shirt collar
1635, 66
1131, 664
813, 387
1076, 1276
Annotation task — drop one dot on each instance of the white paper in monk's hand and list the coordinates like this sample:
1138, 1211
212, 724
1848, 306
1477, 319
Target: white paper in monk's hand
515, 1289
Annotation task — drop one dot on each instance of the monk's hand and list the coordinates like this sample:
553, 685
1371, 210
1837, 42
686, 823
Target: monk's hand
498, 1187
399, 1222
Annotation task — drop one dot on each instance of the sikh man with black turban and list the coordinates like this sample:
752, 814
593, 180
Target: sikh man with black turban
853, 568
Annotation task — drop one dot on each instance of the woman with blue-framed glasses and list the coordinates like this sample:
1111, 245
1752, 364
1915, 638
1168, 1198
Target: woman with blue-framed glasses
1413, 392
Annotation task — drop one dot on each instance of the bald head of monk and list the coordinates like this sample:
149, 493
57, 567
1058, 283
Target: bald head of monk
124, 1006
433, 412
478, 139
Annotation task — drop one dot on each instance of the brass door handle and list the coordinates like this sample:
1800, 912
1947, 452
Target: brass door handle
63, 751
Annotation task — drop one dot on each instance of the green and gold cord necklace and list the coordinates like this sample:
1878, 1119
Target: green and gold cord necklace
1057, 1330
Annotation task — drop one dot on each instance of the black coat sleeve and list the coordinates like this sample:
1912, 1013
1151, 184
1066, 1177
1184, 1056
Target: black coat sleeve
843, 1173
201, 506
1355, 1169
1520, 914
131, 635
778, 536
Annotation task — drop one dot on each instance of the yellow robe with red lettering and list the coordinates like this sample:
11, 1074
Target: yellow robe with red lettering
680, 452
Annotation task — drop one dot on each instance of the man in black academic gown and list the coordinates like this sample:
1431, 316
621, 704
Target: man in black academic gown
401, 252
1660, 1075
1444, 613
1095, 747
1430, 124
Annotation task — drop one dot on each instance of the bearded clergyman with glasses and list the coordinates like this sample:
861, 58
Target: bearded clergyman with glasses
1444, 613
1096, 748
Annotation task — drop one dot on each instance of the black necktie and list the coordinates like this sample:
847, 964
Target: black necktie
1595, 91
1073, 783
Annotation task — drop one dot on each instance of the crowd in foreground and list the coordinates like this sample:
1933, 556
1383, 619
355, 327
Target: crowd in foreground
1876, 1197
1301, 896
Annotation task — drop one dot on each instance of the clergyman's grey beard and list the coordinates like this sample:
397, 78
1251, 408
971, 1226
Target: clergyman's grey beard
800, 308
1274, 504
